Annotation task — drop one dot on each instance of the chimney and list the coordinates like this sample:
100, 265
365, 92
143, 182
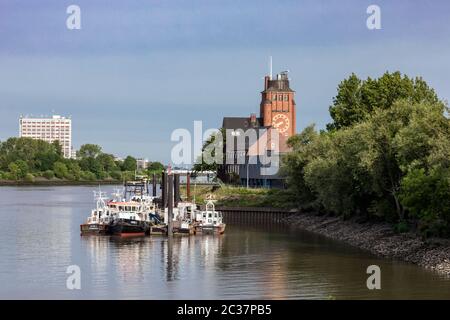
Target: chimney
266, 82
253, 119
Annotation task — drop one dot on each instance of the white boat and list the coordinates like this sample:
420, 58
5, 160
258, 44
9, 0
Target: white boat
121, 216
100, 218
209, 220
133, 216
183, 217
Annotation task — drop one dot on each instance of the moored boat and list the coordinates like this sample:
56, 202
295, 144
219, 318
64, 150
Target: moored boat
99, 220
183, 217
132, 217
209, 221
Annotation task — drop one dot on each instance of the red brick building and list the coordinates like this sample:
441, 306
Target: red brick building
277, 112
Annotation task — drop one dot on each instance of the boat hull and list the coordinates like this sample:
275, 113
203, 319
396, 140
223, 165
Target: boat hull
128, 228
202, 229
94, 229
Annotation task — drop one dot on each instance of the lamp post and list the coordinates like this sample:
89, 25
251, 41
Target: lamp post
248, 161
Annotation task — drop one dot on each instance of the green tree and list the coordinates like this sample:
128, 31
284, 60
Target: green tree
155, 167
427, 198
394, 165
107, 162
357, 99
74, 170
215, 141
129, 164
89, 151
39, 155
18, 169
60, 170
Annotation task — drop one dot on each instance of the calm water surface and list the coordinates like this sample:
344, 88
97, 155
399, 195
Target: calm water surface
39, 239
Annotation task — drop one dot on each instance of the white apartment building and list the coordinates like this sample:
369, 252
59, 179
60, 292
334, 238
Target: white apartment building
49, 129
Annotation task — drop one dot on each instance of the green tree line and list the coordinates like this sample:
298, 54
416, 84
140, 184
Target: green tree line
27, 159
384, 156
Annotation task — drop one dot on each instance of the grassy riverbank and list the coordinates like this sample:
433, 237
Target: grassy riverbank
242, 197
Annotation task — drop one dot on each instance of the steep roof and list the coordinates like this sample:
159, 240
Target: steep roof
240, 123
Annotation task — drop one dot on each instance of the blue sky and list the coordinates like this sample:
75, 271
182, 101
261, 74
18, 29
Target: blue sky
137, 70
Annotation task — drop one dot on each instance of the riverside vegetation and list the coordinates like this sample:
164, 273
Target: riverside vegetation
25, 160
385, 156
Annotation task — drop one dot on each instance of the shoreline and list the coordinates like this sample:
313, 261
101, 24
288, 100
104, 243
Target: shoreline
379, 239
52, 183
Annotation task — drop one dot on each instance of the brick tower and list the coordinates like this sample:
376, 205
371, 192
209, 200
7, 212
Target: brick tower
277, 109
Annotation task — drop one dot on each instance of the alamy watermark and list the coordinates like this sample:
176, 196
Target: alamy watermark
373, 22
73, 21
73, 281
228, 146
374, 280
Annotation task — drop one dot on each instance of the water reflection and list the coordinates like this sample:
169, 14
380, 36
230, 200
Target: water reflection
40, 238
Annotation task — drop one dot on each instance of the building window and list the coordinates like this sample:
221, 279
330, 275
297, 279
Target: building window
285, 97
274, 97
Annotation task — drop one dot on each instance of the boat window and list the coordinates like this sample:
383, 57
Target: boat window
210, 215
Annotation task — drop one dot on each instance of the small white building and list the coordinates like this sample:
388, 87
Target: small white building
142, 164
52, 129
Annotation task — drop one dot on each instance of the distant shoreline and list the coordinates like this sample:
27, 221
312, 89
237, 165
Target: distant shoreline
55, 183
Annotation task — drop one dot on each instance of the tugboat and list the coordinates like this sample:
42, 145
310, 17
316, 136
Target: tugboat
135, 216
130, 218
209, 221
98, 222
183, 217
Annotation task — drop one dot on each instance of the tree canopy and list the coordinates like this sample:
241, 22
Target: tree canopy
386, 156
357, 99
26, 158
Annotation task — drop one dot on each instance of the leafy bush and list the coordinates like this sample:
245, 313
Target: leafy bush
60, 170
88, 176
48, 174
116, 175
29, 177
426, 196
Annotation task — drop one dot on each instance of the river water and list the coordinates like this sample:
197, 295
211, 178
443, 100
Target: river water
40, 239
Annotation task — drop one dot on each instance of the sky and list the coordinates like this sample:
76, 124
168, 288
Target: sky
138, 70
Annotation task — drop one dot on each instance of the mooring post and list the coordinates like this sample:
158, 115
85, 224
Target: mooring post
154, 185
170, 208
164, 189
176, 184
188, 186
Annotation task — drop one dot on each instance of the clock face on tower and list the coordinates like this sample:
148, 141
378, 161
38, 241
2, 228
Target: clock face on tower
281, 122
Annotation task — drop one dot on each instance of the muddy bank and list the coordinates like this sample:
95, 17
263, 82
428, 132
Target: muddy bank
380, 239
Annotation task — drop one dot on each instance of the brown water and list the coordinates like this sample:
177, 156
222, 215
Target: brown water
39, 237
